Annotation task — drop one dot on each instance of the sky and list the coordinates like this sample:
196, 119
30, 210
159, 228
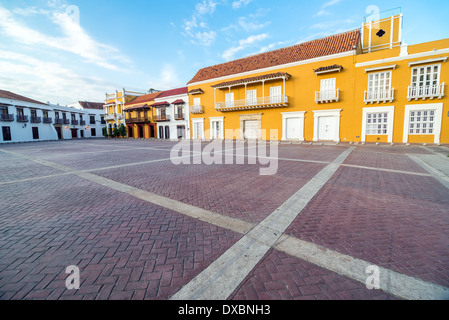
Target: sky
63, 51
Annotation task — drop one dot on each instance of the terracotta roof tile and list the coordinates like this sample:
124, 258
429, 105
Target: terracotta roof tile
145, 98
13, 96
174, 92
91, 105
313, 49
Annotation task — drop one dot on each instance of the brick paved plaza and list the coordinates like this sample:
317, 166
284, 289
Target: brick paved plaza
140, 227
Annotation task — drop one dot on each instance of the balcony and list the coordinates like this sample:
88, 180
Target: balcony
248, 104
112, 116
162, 118
179, 116
196, 109
36, 119
75, 122
379, 96
426, 92
58, 121
82, 122
22, 119
138, 120
6, 117
327, 96
47, 120
66, 121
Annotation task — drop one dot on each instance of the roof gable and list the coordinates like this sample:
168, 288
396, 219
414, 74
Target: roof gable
13, 96
334, 44
174, 92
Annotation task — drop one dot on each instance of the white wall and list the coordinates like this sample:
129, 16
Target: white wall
173, 124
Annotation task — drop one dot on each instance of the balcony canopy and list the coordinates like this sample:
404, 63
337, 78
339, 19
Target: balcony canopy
262, 78
179, 101
161, 104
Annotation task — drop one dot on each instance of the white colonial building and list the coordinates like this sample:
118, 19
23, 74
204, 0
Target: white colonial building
172, 114
26, 120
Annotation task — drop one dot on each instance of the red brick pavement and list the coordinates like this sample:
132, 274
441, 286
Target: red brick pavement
125, 248
396, 221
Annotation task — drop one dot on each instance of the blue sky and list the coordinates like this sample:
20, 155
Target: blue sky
50, 53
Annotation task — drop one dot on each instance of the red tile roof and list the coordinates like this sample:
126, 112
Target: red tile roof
145, 98
161, 104
174, 92
91, 105
13, 96
179, 101
338, 43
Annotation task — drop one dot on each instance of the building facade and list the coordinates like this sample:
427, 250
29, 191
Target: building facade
172, 114
364, 85
115, 105
26, 120
139, 117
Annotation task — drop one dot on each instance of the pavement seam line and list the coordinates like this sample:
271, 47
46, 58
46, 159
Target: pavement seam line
392, 282
224, 275
437, 174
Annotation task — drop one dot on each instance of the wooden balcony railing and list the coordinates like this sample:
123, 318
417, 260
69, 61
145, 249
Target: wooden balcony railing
161, 118
47, 120
179, 116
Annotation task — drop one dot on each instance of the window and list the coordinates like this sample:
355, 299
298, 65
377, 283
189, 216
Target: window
167, 132
251, 97
92, 119
328, 88
20, 112
426, 77
379, 85
4, 110
229, 100
197, 101
33, 113
102, 120
276, 94
93, 132
422, 122
377, 123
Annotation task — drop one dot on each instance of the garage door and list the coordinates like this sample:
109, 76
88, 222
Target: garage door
251, 129
293, 125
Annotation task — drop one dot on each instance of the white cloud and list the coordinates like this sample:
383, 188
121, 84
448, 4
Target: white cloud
240, 3
168, 78
198, 29
75, 39
323, 12
205, 38
230, 53
205, 7
47, 81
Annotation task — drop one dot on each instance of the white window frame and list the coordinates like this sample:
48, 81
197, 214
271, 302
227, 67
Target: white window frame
229, 99
437, 107
213, 121
390, 124
294, 115
424, 81
251, 100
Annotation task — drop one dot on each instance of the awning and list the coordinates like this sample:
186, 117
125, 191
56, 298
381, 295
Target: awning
265, 77
328, 69
139, 106
195, 91
179, 101
161, 104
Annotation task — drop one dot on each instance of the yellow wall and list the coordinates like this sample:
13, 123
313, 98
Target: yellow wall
352, 82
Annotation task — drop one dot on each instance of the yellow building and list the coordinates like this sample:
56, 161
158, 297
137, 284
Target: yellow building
114, 107
140, 117
357, 86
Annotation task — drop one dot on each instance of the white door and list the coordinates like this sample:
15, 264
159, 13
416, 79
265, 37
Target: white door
216, 129
276, 94
328, 89
251, 129
251, 97
326, 128
292, 129
198, 130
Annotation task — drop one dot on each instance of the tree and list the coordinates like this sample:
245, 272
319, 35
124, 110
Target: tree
122, 130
